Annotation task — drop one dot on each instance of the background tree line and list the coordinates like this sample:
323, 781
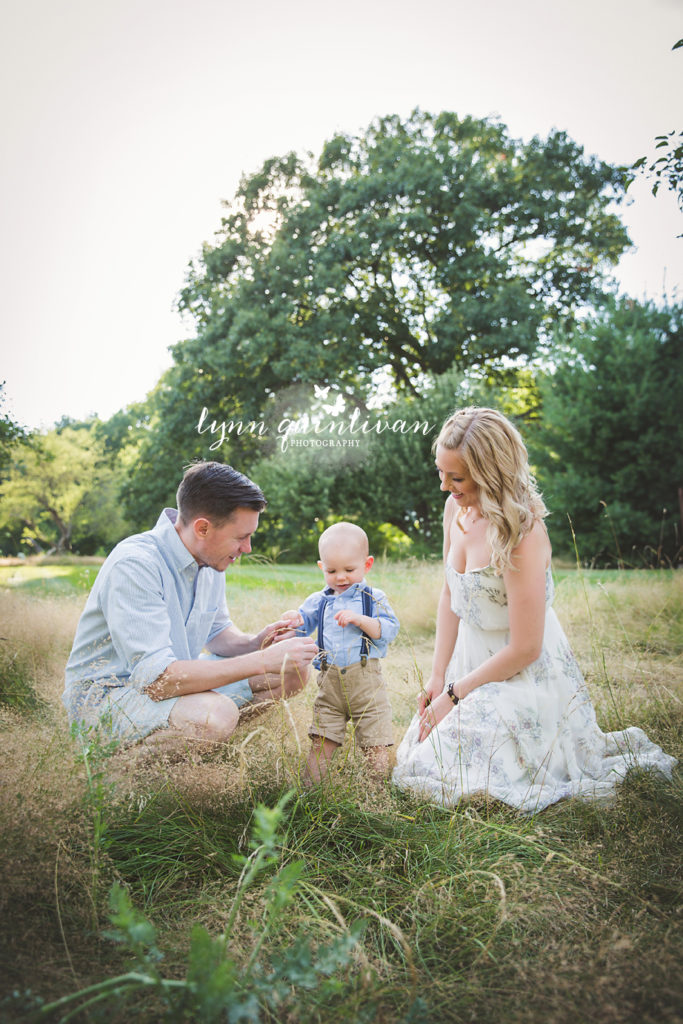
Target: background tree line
425, 264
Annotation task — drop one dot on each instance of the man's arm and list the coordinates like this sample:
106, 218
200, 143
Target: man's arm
132, 604
183, 677
231, 641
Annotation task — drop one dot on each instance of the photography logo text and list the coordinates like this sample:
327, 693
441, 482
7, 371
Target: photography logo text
311, 431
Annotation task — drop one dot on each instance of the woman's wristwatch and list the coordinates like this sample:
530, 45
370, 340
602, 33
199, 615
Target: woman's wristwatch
454, 697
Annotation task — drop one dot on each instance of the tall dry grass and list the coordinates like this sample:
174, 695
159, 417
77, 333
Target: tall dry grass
567, 918
627, 634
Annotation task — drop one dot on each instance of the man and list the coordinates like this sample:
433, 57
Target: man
159, 601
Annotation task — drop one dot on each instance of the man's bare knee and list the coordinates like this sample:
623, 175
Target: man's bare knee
222, 720
294, 679
209, 716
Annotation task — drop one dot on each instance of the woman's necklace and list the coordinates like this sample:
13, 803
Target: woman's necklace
464, 524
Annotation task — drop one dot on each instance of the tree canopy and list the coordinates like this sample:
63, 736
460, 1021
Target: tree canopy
391, 257
419, 245
608, 446
409, 269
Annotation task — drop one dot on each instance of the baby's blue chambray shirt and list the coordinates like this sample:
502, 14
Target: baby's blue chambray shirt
343, 642
150, 605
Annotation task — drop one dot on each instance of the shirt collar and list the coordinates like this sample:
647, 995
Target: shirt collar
165, 530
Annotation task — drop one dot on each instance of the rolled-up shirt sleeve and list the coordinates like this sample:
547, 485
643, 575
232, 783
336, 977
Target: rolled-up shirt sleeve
389, 623
138, 620
387, 617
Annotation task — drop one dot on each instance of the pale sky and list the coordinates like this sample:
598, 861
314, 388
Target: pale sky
125, 122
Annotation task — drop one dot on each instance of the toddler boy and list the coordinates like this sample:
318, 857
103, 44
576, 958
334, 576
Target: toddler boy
355, 626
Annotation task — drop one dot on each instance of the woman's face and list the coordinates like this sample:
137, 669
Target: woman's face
455, 477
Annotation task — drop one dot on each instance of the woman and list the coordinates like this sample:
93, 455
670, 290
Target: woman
505, 711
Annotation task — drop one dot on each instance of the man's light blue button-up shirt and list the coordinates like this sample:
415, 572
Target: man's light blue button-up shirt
150, 605
343, 643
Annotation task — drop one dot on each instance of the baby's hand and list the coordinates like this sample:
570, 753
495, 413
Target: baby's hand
294, 618
283, 629
346, 618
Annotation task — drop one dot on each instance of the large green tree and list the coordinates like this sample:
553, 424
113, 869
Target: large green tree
419, 245
609, 444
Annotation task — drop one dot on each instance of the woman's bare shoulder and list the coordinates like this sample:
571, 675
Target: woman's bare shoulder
534, 546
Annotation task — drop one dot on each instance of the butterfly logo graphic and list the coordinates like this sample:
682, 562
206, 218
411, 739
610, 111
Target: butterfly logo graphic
320, 392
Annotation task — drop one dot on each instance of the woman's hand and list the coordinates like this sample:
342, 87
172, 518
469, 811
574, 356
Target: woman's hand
433, 714
434, 687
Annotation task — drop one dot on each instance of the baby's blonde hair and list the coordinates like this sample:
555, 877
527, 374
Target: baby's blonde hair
345, 533
497, 460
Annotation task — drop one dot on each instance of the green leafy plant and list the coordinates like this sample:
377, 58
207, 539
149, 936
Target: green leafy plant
217, 987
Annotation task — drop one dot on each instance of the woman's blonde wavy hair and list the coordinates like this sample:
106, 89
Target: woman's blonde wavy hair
497, 460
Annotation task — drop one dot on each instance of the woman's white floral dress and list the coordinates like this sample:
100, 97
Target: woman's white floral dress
528, 741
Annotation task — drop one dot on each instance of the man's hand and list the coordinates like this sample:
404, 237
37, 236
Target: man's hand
283, 629
298, 651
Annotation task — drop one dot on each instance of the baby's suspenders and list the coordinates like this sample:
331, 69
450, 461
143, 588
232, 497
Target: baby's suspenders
366, 597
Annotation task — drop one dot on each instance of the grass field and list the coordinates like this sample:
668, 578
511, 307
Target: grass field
152, 885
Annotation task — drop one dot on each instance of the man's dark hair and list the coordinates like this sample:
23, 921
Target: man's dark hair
214, 490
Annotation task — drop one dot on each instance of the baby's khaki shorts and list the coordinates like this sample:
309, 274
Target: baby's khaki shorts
358, 694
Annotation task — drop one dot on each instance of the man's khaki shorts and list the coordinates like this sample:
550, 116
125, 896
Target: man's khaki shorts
353, 694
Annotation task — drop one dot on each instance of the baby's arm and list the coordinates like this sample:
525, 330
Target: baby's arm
373, 627
283, 629
305, 620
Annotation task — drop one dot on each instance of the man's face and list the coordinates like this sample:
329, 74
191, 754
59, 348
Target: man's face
220, 545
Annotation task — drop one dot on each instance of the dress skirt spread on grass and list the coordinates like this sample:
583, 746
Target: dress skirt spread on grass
529, 741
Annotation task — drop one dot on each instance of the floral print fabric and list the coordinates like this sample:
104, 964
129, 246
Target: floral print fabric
530, 740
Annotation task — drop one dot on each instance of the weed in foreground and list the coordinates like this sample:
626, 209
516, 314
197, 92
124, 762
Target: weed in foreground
216, 986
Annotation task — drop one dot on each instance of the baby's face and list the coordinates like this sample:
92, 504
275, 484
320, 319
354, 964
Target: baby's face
343, 565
